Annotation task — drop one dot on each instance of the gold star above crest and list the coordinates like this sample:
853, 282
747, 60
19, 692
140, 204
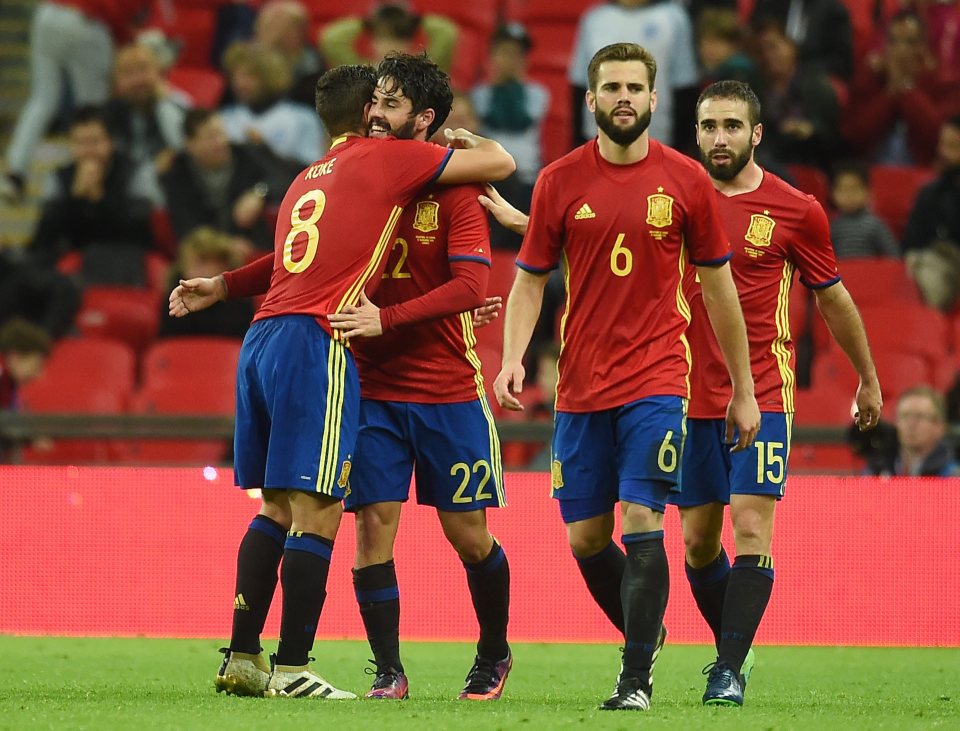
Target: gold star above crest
766, 213
659, 188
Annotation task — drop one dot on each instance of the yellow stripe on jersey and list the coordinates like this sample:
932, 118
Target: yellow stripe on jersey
779, 345
353, 293
563, 320
470, 341
683, 307
330, 445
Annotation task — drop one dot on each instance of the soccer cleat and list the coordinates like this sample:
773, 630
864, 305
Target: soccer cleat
242, 674
724, 686
389, 685
486, 679
629, 695
299, 681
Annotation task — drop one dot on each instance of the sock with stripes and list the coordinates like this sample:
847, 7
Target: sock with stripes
646, 584
603, 574
303, 576
748, 592
489, 582
709, 587
258, 559
379, 599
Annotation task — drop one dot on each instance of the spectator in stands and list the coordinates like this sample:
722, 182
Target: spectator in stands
24, 348
942, 21
923, 450
207, 253
511, 110
145, 120
99, 205
227, 186
800, 111
43, 296
70, 40
820, 29
894, 110
390, 26
282, 26
720, 46
664, 29
932, 237
260, 114
855, 231
462, 114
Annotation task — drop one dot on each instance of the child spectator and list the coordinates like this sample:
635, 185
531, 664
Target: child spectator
720, 47
511, 110
206, 253
856, 232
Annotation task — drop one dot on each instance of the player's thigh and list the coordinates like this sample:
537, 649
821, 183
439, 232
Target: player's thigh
584, 469
457, 453
704, 466
251, 432
761, 469
650, 437
312, 393
383, 459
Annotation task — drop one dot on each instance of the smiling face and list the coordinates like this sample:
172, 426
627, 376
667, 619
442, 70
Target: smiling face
725, 137
391, 113
623, 101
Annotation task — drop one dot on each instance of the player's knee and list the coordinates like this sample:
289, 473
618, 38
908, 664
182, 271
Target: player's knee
701, 547
277, 509
585, 544
472, 543
752, 533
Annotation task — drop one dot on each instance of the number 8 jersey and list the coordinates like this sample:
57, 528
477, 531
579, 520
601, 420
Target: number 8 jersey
336, 223
625, 234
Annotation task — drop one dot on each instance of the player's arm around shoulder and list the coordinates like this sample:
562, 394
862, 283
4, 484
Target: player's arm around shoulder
843, 320
723, 306
475, 159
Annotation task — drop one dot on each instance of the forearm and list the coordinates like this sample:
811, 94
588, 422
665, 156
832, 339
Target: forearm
726, 318
523, 311
250, 280
843, 320
463, 292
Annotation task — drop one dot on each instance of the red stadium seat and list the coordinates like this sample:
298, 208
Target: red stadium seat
878, 281
76, 362
204, 360
898, 372
825, 404
203, 85
129, 314
185, 397
193, 26
811, 181
906, 328
894, 190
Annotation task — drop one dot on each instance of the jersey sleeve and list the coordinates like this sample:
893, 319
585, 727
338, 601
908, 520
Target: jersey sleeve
812, 250
708, 244
251, 279
410, 165
540, 251
468, 237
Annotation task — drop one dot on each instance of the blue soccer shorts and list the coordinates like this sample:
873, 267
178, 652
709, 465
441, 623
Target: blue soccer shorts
298, 404
453, 449
630, 453
711, 472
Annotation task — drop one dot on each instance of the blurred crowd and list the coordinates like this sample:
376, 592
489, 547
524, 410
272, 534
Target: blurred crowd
185, 120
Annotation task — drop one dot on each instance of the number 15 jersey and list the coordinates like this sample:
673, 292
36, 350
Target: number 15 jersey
625, 233
336, 223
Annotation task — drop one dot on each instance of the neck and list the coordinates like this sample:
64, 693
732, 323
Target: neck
747, 181
911, 458
620, 155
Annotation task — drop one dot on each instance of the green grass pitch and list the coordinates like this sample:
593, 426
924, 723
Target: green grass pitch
96, 684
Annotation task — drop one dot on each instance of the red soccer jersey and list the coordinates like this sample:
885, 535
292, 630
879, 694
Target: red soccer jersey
773, 230
626, 234
336, 223
432, 362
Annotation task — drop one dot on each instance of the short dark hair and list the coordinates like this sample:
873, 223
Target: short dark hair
89, 114
621, 52
194, 120
19, 336
737, 90
425, 84
851, 167
342, 97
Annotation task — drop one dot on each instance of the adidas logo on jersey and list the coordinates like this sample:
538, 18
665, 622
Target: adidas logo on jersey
584, 212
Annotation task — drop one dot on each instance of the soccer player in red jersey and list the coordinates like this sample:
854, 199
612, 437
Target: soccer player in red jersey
775, 230
297, 386
627, 216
